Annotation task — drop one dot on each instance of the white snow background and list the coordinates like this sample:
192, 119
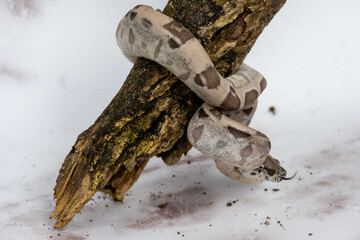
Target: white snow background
60, 67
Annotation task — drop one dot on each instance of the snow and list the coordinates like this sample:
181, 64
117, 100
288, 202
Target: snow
60, 67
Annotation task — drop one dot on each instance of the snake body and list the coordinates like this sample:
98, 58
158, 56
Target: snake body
219, 128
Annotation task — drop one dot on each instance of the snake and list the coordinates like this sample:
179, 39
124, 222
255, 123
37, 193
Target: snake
219, 128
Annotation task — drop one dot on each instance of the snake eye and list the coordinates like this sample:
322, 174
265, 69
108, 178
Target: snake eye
260, 169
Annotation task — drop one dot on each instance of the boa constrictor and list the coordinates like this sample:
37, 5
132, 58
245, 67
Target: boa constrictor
219, 127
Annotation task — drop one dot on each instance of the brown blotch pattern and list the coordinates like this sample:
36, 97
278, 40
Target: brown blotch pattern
237, 133
248, 111
198, 81
132, 15
264, 136
122, 33
250, 96
185, 76
197, 132
173, 44
157, 49
221, 144
146, 22
246, 152
202, 113
263, 84
212, 77
231, 102
216, 113
179, 31
137, 6
127, 14
131, 37
271, 172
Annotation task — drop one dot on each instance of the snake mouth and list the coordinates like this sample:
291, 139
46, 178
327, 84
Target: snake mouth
283, 177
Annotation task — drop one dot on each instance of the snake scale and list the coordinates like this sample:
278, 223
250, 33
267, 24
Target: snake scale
219, 128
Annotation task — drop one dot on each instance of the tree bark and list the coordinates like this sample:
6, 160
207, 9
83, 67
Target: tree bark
149, 115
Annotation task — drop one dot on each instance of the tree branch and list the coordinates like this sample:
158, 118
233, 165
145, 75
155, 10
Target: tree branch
149, 114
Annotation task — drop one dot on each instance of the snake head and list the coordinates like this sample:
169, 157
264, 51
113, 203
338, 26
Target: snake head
273, 171
270, 170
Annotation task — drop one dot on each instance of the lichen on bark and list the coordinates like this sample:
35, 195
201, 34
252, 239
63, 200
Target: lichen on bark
149, 115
